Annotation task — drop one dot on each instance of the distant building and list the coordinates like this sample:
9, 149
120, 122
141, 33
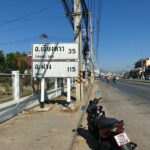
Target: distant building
142, 63
142, 66
97, 72
147, 71
29, 60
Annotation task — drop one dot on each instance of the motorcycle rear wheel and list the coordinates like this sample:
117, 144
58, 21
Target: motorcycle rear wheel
104, 145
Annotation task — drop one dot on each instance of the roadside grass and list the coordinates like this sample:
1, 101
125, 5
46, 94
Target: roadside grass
7, 96
26, 92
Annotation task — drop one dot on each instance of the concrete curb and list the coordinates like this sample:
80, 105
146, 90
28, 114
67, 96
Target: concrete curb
79, 122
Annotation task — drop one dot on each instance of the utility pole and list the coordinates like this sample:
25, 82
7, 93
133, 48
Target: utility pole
78, 39
142, 73
85, 68
91, 48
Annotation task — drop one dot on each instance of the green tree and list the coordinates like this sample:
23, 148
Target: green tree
127, 75
21, 61
11, 61
2, 61
16, 61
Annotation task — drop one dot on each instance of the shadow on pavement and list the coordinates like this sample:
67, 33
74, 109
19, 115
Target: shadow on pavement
59, 102
64, 103
72, 97
90, 140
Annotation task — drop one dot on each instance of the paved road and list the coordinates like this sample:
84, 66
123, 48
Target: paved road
135, 89
125, 101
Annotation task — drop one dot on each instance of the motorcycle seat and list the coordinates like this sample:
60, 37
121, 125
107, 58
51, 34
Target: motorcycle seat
104, 122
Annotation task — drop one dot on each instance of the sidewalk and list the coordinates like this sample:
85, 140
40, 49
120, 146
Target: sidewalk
43, 130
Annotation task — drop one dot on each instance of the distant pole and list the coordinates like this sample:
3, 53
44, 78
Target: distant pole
78, 39
142, 73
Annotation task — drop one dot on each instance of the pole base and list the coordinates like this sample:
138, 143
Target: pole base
42, 104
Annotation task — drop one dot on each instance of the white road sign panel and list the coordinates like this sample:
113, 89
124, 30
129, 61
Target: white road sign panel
55, 69
55, 51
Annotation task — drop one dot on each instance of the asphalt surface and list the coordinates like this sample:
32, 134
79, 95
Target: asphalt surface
134, 89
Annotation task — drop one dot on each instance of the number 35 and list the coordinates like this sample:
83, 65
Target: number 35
71, 51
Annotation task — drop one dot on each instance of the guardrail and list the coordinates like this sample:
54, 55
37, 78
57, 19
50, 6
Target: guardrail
12, 108
18, 104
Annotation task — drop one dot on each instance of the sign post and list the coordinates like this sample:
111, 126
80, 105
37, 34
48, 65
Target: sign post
68, 90
42, 92
58, 60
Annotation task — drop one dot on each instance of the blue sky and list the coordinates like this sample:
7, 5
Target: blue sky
124, 31
45, 16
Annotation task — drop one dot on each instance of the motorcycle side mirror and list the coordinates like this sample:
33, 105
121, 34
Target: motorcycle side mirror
103, 113
100, 108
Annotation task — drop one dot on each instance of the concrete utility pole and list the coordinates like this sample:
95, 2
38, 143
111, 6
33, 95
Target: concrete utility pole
78, 39
86, 63
91, 49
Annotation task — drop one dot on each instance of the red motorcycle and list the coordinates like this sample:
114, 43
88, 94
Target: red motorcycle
108, 131
112, 136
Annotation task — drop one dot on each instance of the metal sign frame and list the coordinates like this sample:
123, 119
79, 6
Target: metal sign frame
55, 60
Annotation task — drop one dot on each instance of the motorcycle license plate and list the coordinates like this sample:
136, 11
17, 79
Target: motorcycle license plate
122, 139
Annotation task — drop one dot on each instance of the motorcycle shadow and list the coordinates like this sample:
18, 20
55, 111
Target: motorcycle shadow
90, 140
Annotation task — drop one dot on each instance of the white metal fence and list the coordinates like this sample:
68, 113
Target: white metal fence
23, 92
6, 88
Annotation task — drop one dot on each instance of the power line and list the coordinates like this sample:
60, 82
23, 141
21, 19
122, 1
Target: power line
25, 16
31, 39
99, 21
37, 19
32, 20
19, 41
98, 25
69, 10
